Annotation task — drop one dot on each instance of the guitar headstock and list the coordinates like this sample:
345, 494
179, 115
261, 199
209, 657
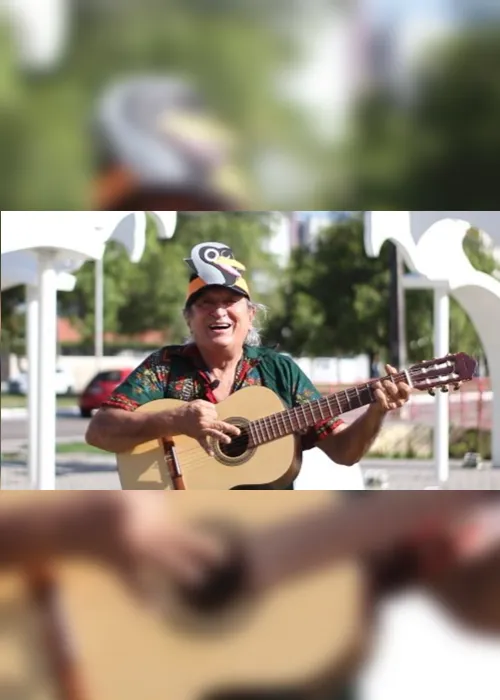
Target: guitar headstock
442, 373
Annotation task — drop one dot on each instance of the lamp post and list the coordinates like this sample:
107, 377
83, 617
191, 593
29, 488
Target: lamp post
99, 312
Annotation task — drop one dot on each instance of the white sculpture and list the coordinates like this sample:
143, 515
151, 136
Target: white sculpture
21, 268
432, 245
60, 241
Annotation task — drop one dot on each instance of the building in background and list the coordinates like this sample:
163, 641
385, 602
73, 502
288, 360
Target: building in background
292, 229
309, 224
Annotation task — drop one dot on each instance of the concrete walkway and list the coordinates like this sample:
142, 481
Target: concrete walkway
98, 472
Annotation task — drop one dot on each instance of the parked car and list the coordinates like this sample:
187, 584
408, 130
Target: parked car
99, 389
64, 383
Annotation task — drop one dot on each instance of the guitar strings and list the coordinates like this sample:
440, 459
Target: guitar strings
269, 423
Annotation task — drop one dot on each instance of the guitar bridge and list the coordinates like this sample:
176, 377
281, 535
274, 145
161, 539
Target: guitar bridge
173, 466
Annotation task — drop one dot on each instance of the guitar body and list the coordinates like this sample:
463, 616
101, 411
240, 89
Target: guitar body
301, 635
275, 463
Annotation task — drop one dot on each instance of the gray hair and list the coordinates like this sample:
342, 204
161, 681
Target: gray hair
254, 338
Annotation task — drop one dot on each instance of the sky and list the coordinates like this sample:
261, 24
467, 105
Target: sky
383, 10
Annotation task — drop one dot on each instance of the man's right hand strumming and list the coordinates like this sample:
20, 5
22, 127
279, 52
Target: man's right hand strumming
200, 421
115, 430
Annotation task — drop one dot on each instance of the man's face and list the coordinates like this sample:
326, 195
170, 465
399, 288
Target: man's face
220, 318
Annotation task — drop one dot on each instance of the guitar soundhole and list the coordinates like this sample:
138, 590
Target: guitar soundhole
239, 450
237, 447
224, 596
223, 586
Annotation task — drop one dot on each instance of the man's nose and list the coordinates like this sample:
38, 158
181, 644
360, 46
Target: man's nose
218, 310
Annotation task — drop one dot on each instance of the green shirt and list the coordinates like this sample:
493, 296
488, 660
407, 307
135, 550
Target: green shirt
178, 372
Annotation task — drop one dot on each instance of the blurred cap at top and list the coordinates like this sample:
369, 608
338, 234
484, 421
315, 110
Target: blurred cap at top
158, 143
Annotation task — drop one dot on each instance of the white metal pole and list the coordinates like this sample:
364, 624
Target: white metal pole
442, 423
46, 438
33, 345
495, 435
99, 312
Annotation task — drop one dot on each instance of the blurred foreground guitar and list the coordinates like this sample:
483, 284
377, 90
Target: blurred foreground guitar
287, 613
266, 451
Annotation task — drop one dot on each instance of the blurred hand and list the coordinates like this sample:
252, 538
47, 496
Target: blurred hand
391, 395
199, 420
139, 538
459, 565
470, 587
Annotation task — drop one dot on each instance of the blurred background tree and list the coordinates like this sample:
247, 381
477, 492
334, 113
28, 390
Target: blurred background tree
436, 143
230, 54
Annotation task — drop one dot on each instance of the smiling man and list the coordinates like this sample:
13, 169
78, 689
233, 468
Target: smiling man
223, 356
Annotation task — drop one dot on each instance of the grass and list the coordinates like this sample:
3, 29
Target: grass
18, 401
73, 447
61, 448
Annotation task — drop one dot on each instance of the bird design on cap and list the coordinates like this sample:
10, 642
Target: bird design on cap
215, 263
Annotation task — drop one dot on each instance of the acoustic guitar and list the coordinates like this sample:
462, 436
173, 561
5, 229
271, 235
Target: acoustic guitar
266, 452
287, 613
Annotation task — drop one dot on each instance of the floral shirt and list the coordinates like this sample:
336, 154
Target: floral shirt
178, 372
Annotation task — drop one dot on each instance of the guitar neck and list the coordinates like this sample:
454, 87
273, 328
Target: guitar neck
303, 417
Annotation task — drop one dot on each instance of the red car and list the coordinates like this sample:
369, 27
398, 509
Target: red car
99, 389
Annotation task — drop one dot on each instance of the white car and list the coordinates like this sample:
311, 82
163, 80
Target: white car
64, 383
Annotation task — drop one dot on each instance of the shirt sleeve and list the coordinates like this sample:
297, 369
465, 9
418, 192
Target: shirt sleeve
304, 391
146, 383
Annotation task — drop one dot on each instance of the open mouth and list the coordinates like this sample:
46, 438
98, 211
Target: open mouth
219, 327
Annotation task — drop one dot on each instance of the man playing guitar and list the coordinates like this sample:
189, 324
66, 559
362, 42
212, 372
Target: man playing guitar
224, 356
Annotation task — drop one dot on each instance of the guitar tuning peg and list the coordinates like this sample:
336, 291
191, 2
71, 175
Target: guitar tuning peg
457, 387
445, 390
432, 392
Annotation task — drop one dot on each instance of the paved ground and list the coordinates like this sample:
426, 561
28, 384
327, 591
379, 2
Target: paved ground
68, 427
96, 472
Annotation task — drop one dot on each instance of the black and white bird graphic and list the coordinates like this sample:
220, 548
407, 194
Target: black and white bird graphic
214, 263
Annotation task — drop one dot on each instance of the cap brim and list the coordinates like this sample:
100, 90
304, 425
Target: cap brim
199, 293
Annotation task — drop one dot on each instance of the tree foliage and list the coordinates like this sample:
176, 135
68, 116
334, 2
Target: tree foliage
438, 143
337, 301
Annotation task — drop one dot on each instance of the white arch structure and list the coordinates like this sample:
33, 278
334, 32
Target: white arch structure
431, 243
40, 250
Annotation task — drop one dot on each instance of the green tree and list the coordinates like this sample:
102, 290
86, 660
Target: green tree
438, 143
337, 300
337, 297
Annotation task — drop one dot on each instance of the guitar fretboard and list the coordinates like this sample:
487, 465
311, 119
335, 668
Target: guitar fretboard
303, 417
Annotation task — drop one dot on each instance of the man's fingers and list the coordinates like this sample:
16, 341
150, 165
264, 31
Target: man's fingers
212, 434
231, 430
390, 388
381, 398
218, 435
206, 445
